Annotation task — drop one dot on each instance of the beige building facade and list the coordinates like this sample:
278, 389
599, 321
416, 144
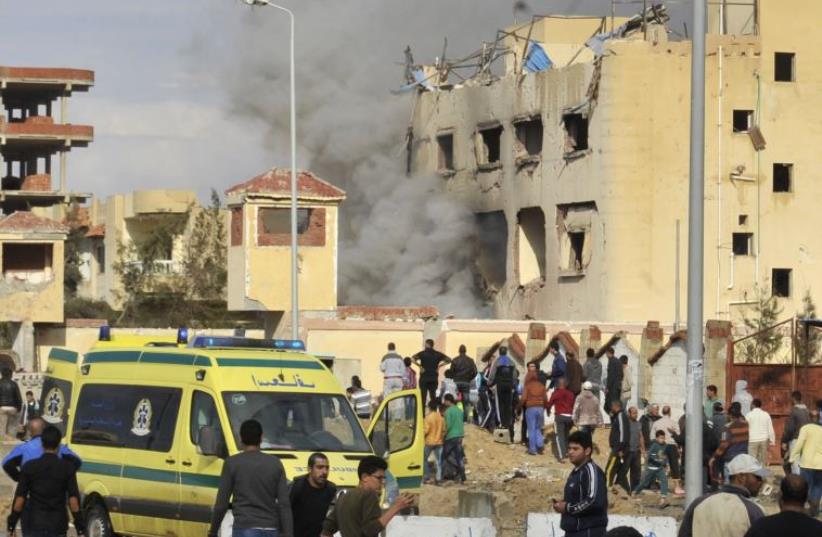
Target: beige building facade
123, 220
578, 175
259, 250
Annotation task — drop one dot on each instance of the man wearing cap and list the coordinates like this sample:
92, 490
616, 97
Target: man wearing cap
730, 512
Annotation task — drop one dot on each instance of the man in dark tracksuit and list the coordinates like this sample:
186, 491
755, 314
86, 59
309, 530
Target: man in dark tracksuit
464, 372
502, 378
584, 506
619, 442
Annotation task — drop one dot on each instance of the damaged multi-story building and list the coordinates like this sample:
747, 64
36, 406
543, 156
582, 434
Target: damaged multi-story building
574, 160
35, 139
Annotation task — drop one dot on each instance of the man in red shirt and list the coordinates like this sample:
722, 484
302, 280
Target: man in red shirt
563, 402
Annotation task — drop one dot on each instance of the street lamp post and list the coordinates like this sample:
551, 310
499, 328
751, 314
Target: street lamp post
295, 304
696, 239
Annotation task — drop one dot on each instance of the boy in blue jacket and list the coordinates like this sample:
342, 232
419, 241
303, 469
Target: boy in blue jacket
584, 507
655, 469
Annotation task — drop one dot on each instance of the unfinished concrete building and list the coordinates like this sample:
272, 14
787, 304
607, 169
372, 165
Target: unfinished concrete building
34, 133
575, 160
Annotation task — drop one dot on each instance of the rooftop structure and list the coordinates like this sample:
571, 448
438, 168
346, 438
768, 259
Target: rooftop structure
259, 251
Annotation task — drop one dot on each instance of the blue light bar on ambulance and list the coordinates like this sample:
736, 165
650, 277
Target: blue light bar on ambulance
105, 333
182, 335
233, 342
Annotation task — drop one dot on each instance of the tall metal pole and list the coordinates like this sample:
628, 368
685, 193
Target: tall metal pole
696, 239
295, 299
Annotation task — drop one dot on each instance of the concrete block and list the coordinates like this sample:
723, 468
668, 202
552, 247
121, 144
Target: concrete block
414, 526
502, 436
473, 504
542, 524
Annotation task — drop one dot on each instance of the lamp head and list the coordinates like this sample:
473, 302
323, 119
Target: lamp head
254, 2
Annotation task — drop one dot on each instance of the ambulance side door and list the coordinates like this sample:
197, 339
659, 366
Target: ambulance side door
200, 472
396, 432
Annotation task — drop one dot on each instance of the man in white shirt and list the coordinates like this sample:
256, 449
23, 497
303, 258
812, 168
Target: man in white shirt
671, 428
760, 432
393, 369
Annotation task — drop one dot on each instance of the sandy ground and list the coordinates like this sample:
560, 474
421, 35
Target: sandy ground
522, 483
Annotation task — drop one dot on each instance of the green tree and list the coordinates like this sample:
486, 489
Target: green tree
205, 265
71, 252
766, 342
807, 348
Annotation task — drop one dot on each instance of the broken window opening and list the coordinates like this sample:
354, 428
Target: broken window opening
781, 282
743, 243
445, 146
574, 225
489, 146
30, 263
529, 136
784, 65
576, 132
782, 177
531, 245
743, 219
492, 250
277, 221
743, 120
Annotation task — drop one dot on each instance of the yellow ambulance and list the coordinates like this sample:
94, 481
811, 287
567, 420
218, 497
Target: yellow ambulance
154, 423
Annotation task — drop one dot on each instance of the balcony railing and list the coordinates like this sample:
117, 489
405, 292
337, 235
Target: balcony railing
159, 267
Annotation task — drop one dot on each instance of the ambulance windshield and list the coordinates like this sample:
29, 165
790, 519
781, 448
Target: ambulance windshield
298, 422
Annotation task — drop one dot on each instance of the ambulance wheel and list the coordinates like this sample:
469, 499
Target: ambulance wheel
98, 523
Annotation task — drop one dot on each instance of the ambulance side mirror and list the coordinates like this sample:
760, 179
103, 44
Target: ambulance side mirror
211, 442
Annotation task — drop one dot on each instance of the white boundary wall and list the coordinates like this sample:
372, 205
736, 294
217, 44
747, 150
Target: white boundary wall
434, 526
547, 525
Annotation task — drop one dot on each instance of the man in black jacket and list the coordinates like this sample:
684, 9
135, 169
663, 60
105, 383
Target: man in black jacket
429, 361
618, 440
613, 384
10, 404
464, 371
584, 506
311, 496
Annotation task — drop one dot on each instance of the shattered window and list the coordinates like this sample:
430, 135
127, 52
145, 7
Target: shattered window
574, 226
529, 136
488, 150
445, 146
576, 132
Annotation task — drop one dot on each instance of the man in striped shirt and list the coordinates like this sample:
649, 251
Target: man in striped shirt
584, 506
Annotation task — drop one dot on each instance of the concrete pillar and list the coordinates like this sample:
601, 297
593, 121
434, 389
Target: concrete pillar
63, 169
717, 338
589, 338
536, 341
652, 340
23, 344
272, 321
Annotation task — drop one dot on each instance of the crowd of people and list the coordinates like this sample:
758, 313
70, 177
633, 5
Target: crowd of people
575, 396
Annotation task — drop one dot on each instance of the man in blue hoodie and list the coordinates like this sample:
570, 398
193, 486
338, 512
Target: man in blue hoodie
584, 506
33, 449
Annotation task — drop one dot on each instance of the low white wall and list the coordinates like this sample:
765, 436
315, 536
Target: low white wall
416, 526
547, 524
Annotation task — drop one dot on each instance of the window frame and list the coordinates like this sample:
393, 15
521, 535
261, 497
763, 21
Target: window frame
111, 390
